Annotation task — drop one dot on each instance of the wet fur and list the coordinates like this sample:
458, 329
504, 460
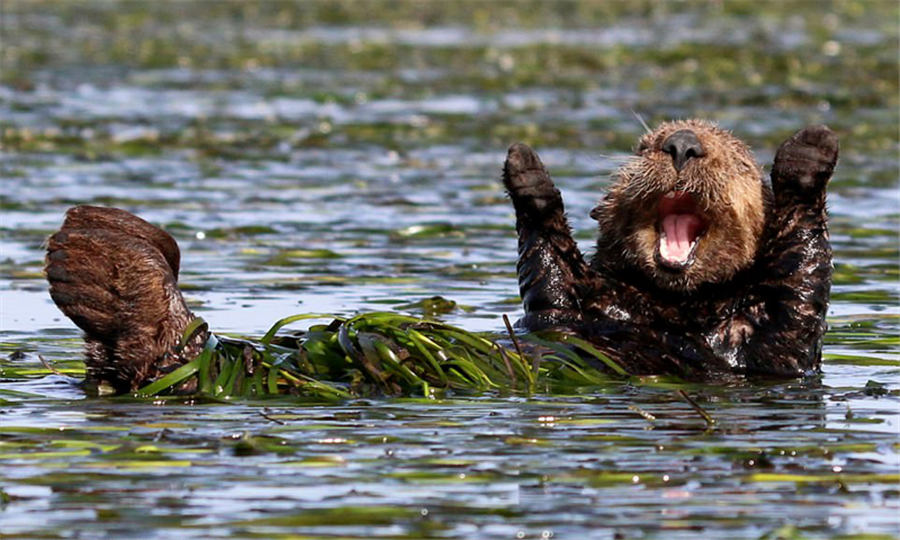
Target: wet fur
753, 302
727, 183
115, 276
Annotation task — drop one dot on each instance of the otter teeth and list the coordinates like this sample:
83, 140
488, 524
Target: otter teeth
676, 255
678, 237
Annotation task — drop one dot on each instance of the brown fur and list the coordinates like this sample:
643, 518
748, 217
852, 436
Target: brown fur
115, 276
753, 301
753, 298
727, 184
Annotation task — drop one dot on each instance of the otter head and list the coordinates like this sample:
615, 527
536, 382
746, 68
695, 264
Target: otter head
688, 209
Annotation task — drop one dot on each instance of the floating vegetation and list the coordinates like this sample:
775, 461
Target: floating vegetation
384, 354
344, 157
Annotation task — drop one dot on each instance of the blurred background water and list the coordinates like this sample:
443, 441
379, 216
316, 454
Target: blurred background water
340, 157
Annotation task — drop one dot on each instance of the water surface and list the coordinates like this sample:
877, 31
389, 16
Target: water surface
340, 158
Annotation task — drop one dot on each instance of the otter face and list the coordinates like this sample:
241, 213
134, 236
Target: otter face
689, 209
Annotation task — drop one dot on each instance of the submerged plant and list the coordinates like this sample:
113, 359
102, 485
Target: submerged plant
382, 354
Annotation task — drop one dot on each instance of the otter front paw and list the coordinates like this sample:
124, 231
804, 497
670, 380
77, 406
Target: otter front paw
529, 184
804, 163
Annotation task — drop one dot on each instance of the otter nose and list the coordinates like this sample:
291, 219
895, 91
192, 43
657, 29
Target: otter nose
682, 146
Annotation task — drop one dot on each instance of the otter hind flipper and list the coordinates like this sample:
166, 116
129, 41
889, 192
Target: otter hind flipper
551, 268
112, 273
115, 219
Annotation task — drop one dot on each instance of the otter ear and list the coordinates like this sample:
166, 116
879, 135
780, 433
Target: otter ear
804, 163
597, 212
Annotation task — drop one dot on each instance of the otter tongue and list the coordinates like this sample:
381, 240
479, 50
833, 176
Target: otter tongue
680, 232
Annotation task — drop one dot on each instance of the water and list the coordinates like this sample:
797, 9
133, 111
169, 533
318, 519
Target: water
341, 158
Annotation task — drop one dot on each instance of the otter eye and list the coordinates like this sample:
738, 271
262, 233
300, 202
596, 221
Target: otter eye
642, 147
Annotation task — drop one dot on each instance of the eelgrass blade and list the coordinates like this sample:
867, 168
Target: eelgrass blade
226, 367
419, 342
390, 358
172, 379
596, 353
272, 380
193, 328
180, 374
258, 387
286, 321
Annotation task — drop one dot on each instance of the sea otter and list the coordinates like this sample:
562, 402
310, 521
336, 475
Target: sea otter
702, 268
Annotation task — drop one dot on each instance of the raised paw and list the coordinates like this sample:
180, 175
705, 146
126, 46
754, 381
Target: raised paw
528, 182
805, 162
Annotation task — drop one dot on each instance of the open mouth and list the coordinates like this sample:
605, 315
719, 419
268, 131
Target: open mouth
680, 229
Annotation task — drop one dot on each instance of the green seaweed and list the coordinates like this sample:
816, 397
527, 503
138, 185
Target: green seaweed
394, 428
376, 353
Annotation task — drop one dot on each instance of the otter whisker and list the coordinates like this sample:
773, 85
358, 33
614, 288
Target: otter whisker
641, 120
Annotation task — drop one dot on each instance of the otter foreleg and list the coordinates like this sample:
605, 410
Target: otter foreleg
797, 288
115, 276
551, 269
